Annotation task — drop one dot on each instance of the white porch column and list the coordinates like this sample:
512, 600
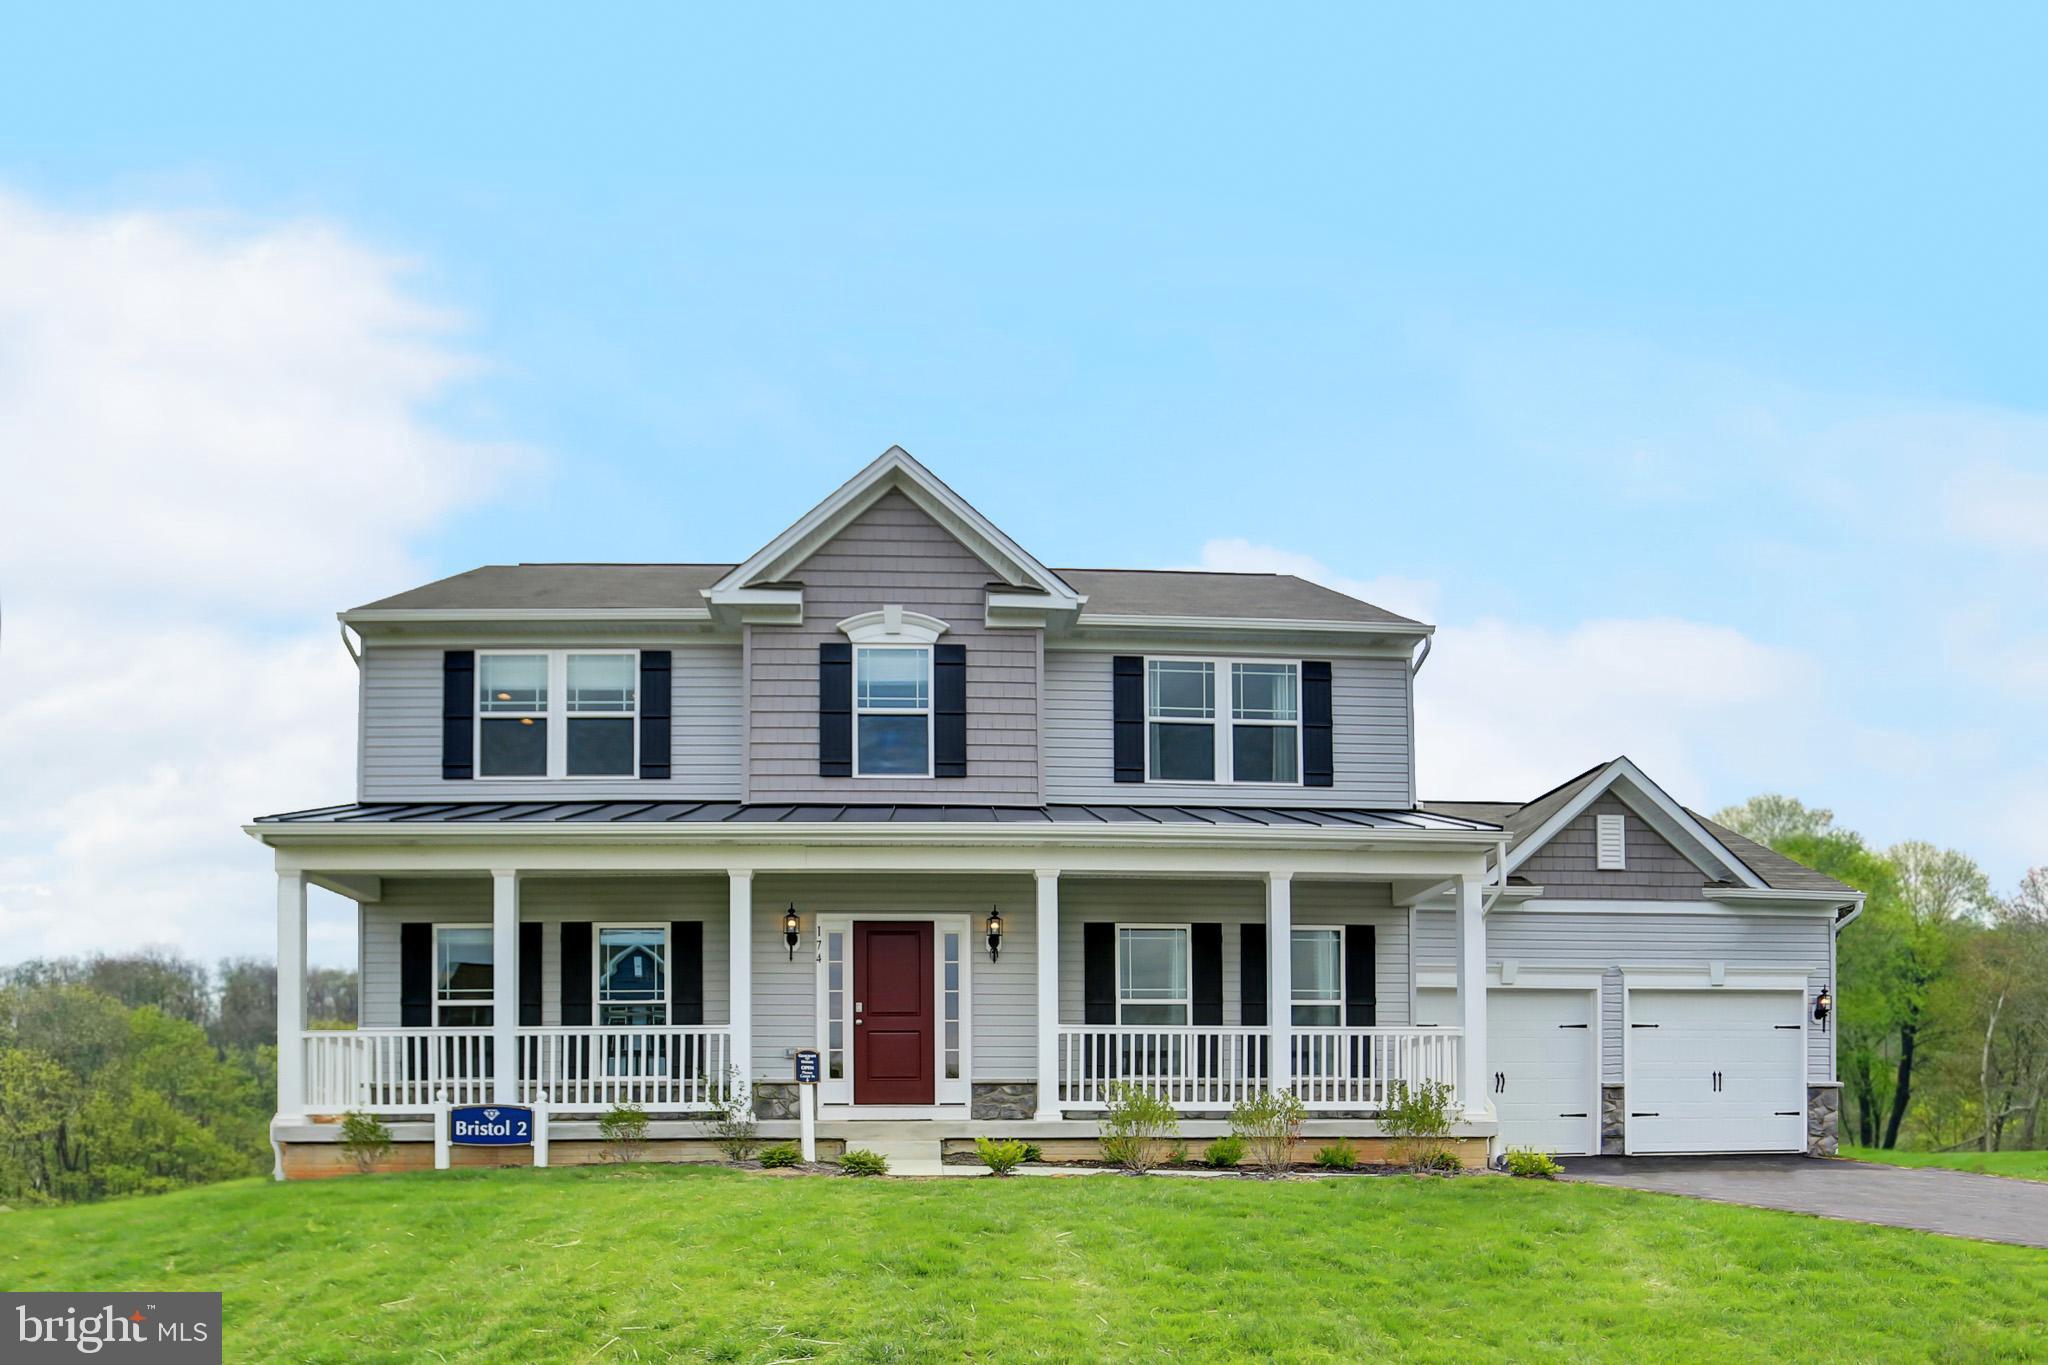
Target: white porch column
291, 993
739, 960
504, 986
1048, 931
1472, 1072
1280, 975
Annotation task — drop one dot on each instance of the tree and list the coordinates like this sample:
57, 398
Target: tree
1772, 820
1940, 892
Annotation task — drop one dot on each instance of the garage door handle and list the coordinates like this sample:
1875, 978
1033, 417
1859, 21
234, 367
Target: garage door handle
1582, 1026
1642, 1026
1571, 1116
1651, 1114
1792, 1027
1788, 1113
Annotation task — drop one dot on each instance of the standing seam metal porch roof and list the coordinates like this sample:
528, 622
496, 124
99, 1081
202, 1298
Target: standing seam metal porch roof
734, 812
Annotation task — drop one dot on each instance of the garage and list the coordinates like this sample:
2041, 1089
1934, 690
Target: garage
1543, 1047
1717, 1070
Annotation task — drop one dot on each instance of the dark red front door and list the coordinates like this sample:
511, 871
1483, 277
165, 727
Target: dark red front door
892, 1013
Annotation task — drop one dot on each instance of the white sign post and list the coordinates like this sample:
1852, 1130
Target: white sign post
540, 1129
440, 1131
807, 1076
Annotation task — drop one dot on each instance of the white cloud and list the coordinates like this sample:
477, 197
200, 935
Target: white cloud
206, 430
1407, 596
2000, 507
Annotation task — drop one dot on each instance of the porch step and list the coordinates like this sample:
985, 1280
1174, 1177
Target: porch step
908, 1155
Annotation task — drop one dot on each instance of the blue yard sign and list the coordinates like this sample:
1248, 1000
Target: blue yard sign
490, 1125
808, 1070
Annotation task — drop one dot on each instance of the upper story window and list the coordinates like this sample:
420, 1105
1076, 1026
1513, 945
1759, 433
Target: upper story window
462, 976
1232, 720
892, 705
558, 713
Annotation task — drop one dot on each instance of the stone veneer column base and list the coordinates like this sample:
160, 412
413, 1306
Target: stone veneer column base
775, 1100
1823, 1120
1613, 1118
1008, 1100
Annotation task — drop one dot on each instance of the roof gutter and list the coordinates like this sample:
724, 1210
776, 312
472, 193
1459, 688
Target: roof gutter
1423, 657
355, 655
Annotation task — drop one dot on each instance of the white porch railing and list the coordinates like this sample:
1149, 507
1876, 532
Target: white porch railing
1209, 1067
666, 1069
400, 1071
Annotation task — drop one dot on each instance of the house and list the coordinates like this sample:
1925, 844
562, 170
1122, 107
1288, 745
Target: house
991, 837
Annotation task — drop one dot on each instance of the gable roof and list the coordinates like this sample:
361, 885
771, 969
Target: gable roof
1251, 596
894, 468
561, 587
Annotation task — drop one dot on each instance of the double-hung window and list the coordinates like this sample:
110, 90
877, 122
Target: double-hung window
1318, 978
1231, 720
892, 705
558, 713
1152, 974
462, 976
632, 974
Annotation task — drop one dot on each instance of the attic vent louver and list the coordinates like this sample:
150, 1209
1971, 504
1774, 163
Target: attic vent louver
1610, 843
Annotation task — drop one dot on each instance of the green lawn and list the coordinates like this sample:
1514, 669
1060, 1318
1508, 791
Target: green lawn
2020, 1165
671, 1262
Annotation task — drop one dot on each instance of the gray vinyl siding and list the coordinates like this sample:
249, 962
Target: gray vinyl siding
400, 758
1534, 938
1151, 901
1567, 869
549, 900
1002, 1005
894, 554
1370, 737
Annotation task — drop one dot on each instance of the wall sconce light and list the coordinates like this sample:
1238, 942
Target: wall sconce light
792, 930
995, 932
1823, 1006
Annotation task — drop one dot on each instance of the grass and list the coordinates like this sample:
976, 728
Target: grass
2019, 1165
672, 1262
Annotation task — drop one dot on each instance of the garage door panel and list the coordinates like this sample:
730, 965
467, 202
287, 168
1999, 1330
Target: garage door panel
1542, 1047
1716, 1071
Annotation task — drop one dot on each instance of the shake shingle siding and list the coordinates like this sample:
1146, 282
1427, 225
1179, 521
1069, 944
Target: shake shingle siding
401, 731
1566, 867
1369, 699
894, 554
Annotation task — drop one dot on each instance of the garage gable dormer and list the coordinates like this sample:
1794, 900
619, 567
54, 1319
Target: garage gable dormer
1614, 834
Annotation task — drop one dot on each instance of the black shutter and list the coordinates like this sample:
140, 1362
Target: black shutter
949, 710
1127, 703
686, 943
654, 713
1318, 749
1251, 978
1207, 942
576, 973
1361, 978
835, 709
458, 714
529, 974
416, 975
1098, 973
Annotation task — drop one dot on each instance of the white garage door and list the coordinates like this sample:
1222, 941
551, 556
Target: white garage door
1716, 1071
1543, 1048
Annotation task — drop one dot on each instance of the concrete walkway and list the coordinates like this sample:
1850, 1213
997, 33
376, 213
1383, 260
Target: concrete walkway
1989, 1208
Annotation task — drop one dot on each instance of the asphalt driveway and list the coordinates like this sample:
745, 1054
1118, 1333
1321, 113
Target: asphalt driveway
1987, 1207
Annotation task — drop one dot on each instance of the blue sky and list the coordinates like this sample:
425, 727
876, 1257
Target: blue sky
1686, 368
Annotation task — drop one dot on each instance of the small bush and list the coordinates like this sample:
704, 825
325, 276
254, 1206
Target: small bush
1419, 1119
1441, 1161
1270, 1124
1530, 1164
366, 1138
624, 1130
1224, 1152
731, 1124
1177, 1154
1033, 1154
781, 1154
1138, 1128
1338, 1156
860, 1161
1001, 1156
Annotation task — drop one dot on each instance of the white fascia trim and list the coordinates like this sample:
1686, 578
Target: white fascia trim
535, 615
1622, 768
1817, 899
1545, 977
893, 468
1649, 907
1692, 977
893, 626
1130, 621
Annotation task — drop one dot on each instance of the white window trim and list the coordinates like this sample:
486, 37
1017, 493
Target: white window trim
1298, 1002
1222, 721
930, 738
1186, 1002
490, 1004
1610, 843
557, 715
668, 971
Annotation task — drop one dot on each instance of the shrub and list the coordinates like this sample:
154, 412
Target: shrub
1137, 1128
781, 1154
366, 1138
1033, 1154
1441, 1161
624, 1130
1530, 1164
731, 1124
1224, 1152
1270, 1124
1418, 1118
860, 1161
1001, 1156
1338, 1156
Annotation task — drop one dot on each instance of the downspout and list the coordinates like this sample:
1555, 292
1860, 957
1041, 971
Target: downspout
354, 655
1423, 657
